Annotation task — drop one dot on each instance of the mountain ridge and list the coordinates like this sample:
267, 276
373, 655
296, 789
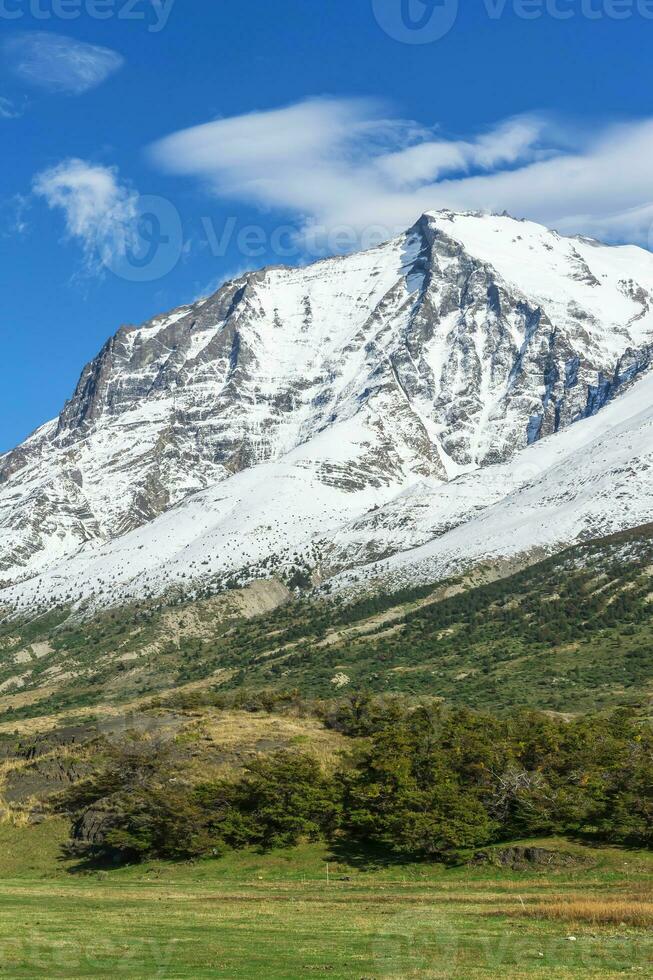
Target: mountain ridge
444, 353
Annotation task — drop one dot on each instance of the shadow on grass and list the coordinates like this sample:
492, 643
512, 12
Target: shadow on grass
369, 857
74, 865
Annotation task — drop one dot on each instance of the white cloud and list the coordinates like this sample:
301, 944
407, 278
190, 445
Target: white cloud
59, 64
511, 141
340, 162
8, 109
100, 212
294, 157
14, 215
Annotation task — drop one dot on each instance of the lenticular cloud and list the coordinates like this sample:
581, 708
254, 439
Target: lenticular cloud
59, 64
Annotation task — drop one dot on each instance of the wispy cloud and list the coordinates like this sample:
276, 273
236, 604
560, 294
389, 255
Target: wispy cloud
59, 64
305, 157
431, 159
100, 212
9, 109
14, 211
344, 162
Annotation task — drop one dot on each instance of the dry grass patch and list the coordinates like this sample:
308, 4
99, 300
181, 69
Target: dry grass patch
232, 730
598, 911
8, 812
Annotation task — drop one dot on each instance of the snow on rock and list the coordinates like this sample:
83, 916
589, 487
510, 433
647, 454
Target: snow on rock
591, 480
342, 413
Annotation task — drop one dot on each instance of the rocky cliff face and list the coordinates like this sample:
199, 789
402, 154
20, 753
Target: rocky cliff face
356, 381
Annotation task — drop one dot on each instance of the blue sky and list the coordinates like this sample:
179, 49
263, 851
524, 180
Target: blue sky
150, 155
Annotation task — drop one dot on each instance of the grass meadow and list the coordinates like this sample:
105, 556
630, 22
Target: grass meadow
302, 913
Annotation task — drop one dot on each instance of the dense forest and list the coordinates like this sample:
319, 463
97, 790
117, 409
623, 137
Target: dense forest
419, 782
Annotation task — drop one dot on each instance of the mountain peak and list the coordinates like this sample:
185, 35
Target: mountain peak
345, 398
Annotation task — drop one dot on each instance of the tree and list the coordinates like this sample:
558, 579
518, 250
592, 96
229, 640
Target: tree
281, 799
402, 792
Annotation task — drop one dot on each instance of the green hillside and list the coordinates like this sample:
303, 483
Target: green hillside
571, 633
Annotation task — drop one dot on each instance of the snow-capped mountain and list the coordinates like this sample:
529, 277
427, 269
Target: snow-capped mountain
467, 375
